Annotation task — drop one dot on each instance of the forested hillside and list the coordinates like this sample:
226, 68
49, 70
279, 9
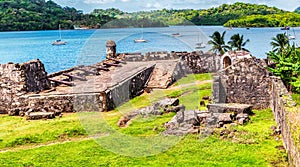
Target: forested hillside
272, 20
20, 15
213, 16
225, 12
16, 15
297, 10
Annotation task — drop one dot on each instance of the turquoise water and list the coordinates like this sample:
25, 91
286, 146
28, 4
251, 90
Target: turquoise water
88, 46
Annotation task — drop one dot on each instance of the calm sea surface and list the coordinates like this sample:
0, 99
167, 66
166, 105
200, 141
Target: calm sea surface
88, 46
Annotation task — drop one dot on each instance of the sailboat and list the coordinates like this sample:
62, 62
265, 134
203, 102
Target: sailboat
141, 40
292, 37
59, 41
200, 45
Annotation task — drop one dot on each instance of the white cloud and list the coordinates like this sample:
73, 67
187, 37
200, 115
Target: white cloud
98, 1
154, 5
125, 0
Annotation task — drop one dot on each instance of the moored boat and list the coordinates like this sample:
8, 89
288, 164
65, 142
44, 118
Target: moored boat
59, 41
285, 28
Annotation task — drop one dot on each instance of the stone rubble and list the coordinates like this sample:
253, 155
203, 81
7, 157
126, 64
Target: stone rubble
158, 108
190, 121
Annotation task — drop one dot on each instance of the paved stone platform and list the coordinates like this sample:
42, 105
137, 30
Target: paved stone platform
164, 74
97, 83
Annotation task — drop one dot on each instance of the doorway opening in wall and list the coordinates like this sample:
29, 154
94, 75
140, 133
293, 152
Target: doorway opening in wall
226, 62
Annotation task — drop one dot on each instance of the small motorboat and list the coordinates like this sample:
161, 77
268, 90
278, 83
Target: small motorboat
285, 28
59, 42
140, 40
176, 35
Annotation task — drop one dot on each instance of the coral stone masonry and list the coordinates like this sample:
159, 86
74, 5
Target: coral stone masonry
19, 79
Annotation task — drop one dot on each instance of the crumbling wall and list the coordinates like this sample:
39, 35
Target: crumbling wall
128, 89
19, 79
287, 116
245, 82
200, 62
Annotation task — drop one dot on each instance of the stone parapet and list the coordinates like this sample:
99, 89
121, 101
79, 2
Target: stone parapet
287, 116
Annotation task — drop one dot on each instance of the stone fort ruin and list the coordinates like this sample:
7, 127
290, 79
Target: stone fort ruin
27, 89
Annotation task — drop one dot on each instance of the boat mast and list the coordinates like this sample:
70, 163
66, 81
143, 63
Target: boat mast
59, 32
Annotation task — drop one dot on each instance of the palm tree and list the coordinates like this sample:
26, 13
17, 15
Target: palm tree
280, 42
237, 42
217, 40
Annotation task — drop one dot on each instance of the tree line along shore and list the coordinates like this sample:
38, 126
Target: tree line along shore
24, 15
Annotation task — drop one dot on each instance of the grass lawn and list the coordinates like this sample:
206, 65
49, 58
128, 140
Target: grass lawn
296, 98
64, 141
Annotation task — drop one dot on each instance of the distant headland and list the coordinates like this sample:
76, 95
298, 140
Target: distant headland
47, 15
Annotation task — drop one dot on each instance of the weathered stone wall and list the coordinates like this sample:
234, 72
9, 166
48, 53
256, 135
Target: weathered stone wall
19, 79
150, 56
287, 116
245, 82
153, 56
67, 103
197, 62
128, 89
200, 62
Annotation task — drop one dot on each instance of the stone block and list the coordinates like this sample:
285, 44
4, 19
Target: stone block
229, 108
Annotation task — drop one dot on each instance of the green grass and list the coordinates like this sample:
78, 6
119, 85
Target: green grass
16, 131
296, 98
257, 148
251, 145
193, 78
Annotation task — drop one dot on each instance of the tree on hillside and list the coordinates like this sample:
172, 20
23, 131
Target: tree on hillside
280, 42
217, 40
237, 42
297, 10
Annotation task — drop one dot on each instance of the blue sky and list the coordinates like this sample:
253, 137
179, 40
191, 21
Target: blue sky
138, 5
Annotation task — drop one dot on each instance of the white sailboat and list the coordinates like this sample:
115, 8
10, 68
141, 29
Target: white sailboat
141, 40
292, 37
59, 41
200, 45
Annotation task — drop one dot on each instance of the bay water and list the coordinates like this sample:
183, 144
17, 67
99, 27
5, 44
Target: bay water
88, 46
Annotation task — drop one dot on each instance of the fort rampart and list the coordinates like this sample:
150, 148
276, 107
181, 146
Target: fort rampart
239, 78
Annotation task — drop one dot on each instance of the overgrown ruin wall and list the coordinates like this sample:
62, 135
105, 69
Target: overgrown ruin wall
245, 82
19, 79
287, 116
248, 82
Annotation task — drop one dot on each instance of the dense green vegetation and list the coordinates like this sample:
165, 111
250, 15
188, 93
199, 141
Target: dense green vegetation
286, 59
220, 15
213, 16
296, 98
253, 144
271, 20
297, 10
44, 15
